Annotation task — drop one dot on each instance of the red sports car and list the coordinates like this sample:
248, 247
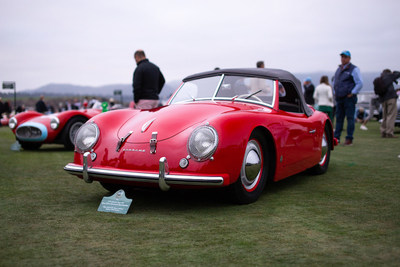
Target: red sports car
32, 129
4, 121
233, 128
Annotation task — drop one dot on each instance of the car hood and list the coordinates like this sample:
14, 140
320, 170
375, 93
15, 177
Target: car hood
42, 119
170, 120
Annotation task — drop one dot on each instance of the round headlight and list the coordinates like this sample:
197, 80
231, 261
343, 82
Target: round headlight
54, 122
203, 142
12, 123
87, 136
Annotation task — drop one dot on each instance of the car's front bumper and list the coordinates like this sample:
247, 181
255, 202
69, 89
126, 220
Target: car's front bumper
163, 178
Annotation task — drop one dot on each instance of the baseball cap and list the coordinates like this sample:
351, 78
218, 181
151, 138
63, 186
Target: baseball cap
346, 53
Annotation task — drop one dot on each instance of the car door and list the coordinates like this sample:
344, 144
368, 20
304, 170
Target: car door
298, 138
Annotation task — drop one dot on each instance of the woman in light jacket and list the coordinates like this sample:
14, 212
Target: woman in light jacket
323, 97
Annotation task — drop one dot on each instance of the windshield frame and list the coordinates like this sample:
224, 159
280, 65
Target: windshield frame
214, 96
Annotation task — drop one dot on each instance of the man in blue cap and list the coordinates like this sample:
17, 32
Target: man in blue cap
347, 84
309, 91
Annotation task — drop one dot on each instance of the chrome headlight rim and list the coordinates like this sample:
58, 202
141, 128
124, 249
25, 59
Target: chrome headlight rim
193, 144
84, 142
54, 122
12, 123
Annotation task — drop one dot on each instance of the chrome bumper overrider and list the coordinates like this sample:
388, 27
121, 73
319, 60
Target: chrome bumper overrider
163, 178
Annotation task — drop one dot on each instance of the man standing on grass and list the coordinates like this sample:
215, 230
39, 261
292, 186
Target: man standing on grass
309, 89
147, 82
347, 83
389, 103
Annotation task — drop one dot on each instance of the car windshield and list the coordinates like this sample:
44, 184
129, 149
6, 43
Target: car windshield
227, 87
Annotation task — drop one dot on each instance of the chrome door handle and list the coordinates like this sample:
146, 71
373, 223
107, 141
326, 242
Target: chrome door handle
312, 131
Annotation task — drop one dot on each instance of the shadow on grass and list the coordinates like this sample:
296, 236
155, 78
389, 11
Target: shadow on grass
179, 199
287, 183
145, 199
48, 148
53, 149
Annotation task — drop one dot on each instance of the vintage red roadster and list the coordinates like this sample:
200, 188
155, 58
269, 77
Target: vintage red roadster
234, 128
32, 129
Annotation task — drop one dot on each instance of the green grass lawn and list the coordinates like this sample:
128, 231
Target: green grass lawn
348, 216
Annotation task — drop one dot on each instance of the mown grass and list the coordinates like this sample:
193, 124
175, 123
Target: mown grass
348, 216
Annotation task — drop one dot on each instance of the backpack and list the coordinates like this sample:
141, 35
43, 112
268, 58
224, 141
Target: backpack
379, 87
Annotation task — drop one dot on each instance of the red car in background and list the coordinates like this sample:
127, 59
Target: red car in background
4, 121
32, 129
234, 128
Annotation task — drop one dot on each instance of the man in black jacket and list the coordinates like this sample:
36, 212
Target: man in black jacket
147, 82
389, 103
309, 91
41, 106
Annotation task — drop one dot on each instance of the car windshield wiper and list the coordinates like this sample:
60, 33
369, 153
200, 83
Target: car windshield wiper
194, 99
250, 95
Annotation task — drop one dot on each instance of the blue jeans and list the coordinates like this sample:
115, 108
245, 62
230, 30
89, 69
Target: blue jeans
345, 107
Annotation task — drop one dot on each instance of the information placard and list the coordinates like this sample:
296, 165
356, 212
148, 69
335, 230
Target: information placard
116, 203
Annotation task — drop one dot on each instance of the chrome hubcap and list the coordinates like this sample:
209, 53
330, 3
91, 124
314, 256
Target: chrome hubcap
251, 168
324, 150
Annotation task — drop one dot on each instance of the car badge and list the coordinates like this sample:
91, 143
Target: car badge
147, 125
122, 141
133, 150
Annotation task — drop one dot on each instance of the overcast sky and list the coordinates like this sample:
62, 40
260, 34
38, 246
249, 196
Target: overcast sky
92, 42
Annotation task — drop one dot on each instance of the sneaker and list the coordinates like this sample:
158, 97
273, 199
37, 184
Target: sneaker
348, 142
390, 136
363, 127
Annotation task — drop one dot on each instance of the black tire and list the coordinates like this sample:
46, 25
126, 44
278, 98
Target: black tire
326, 146
30, 145
70, 131
254, 172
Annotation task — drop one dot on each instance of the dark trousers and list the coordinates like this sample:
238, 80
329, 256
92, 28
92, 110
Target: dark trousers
345, 108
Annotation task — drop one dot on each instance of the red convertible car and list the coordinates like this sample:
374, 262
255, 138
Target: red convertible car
234, 128
32, 129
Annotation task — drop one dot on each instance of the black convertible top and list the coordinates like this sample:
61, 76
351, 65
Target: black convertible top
275, 74
259, 72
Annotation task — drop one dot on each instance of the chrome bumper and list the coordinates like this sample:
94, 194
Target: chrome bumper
163, 178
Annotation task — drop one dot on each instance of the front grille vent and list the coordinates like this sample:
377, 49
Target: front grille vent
28, 132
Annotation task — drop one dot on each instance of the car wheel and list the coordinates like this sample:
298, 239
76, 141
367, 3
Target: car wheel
253, 173
326, 144
70, 131
30, 145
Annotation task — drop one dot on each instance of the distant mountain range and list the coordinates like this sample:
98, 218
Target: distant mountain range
168, 89
106, 91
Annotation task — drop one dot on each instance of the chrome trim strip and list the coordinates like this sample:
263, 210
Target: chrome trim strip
145, 177
122, 141
147, 125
